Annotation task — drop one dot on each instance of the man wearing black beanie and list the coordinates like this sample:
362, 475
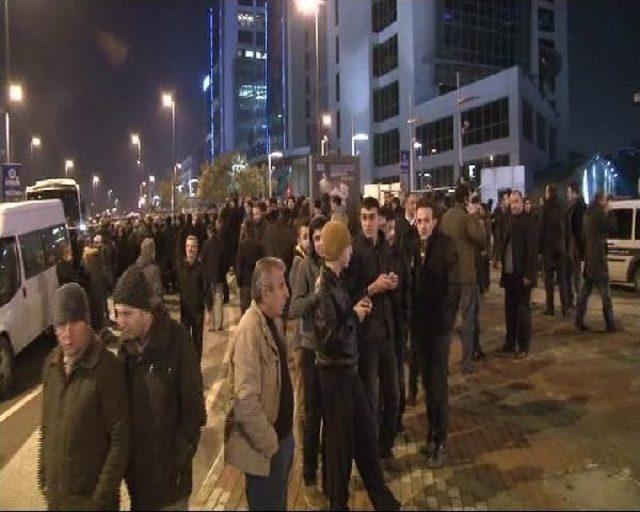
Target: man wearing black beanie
166, 398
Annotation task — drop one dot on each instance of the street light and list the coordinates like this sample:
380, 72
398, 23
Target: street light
270, 156
14, 96
312, 8
36, 142
357, 137
68, 165
169, 102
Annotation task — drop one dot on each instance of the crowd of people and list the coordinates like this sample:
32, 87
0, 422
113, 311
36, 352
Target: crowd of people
360, 304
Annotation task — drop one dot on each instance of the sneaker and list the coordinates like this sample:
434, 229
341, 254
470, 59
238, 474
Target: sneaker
468, 369
392, 464
428, 449
521, 354
438, 458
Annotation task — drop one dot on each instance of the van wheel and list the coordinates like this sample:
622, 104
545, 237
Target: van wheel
6, 368
636, 279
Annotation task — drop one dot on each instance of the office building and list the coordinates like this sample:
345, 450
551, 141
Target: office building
394, 61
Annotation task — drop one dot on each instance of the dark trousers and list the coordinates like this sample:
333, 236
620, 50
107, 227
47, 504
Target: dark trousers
517, 308
604, 288
554, 267
270, 492
378, 368
193, 324
350, 423
245, 298
401, 343
573, 278
468, 300
312, 414
434, 357
414, 366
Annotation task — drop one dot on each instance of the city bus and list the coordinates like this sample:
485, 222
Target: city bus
65, 189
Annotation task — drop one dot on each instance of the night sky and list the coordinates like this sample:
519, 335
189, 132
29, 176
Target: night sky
93, 72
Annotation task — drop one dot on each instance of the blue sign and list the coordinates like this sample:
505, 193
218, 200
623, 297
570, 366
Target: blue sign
11, 188
404, 160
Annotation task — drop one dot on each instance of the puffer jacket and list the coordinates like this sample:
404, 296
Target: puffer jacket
151, 271
85, 439
335, 322
254, 376
303, 300
167, 414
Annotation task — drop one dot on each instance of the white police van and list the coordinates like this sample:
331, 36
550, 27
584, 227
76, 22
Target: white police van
33, 238
624, 245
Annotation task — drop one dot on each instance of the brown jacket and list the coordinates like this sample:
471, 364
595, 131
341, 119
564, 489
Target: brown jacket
84, 444
254, 375
467, 233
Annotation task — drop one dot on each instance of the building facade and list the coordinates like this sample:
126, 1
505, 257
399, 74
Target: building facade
394, 61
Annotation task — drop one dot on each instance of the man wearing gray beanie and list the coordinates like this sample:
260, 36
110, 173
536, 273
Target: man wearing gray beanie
165, 393
84, 390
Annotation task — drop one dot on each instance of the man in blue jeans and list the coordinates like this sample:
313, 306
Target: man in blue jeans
259, 426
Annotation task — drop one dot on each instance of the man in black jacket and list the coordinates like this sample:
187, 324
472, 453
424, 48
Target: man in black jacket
215, 264
350, 421
553, 249
371, 273
598, 226
519, 273
433, 312
193, 294
576, 209
165, 397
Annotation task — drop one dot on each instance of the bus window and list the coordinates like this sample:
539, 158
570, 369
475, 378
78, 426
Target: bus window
9, 273
55, 243
33, 254
624, 221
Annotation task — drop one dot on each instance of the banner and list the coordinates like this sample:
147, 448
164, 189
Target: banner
11, 187
337, 176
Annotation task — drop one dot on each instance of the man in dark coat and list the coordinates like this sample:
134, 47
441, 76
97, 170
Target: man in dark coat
193, 293
249, 252
598, 226
215, 263
433, 315
576, 209
84, 445
519, 274
165, 397
553, 249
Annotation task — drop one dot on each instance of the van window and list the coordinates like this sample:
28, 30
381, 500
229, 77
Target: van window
624, 223
55, 242
33, 254
638, 225
9, 273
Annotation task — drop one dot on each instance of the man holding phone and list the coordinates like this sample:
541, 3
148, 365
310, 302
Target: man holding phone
370, 274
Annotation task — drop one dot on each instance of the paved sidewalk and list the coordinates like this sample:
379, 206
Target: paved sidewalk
558, 430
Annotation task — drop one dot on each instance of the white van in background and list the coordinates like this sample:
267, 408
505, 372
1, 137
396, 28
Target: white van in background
624, 246
33, 238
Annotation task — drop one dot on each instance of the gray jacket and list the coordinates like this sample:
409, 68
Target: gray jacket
303, 300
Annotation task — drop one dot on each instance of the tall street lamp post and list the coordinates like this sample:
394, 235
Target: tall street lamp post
36, 142
270, 156
15, 95
168, 101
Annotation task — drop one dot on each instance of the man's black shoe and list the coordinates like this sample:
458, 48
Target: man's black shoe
505, 351
428, 449
479, 355
583, 328
548, 312
438, 458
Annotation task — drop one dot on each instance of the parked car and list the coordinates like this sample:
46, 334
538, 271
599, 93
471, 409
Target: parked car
624, 245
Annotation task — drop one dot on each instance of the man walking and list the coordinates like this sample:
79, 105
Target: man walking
165, 396
193, 294
84, 444
463, 225
215, 265
519, 273
576, 209
598, 226
259, 427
